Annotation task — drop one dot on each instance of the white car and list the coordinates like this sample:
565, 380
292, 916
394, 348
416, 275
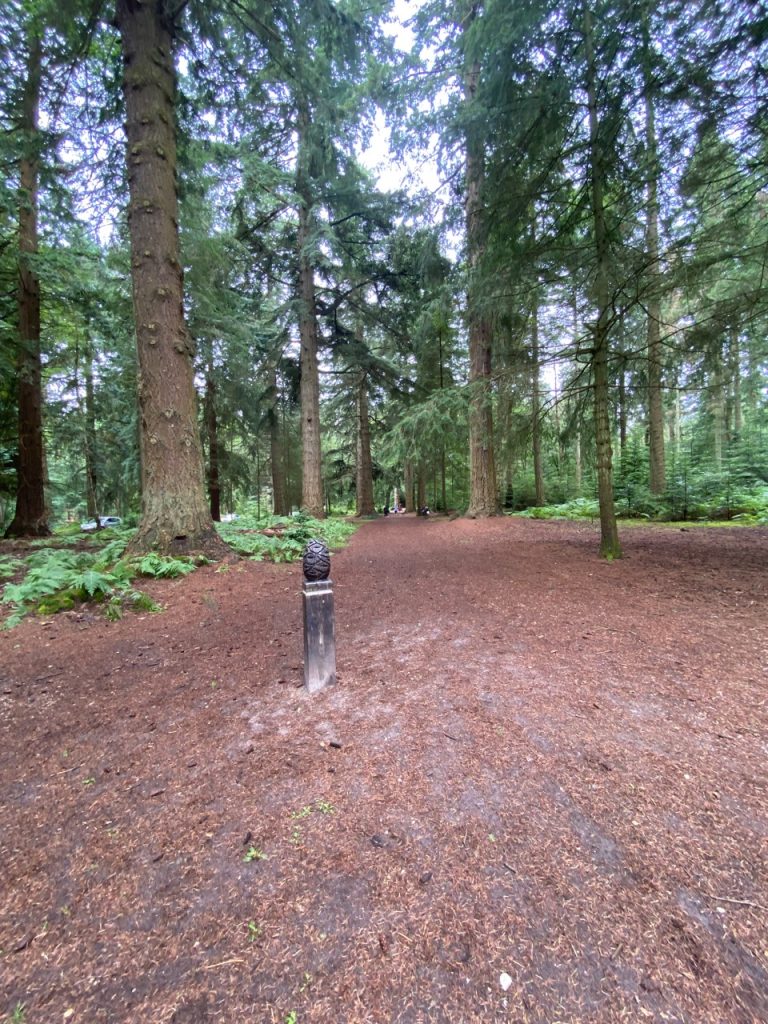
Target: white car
104, 521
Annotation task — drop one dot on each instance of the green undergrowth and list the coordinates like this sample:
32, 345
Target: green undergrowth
291, 535
739, 510
579, 508
55, 578
69, 569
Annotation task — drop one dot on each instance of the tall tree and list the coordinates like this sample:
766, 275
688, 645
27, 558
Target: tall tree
483, 491
655, 404
174, 512
312, 500
31, 516
609, 536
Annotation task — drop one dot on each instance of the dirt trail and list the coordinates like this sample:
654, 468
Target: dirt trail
535, 765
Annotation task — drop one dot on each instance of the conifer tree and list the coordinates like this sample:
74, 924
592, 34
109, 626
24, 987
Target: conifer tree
31, 516
174, 513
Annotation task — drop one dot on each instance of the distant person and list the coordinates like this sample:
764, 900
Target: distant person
386, 510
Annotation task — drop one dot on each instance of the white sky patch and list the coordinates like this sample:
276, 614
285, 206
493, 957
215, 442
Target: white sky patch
415, 172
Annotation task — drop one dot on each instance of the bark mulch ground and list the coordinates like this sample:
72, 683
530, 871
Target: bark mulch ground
539, 792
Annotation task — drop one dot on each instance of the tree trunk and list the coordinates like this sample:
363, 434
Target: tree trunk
174, 512
364, 468
276, 453
622, 407
483, 492
657, 480
609, 535
717, 407
538, 470
504, 427
421, 486
577, 464
212, 429
91, 475
558, 427
31, 516
408, 474
735, 361
311, 450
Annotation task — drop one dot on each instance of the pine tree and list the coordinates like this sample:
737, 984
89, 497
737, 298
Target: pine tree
174, 513
31, 516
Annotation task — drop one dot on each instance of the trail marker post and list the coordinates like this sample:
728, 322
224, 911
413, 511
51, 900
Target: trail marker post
319, 637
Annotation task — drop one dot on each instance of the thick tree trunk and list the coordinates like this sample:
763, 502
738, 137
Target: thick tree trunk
421, 486
408, 474
212, 429
276, 452
174, 513
364, 468
31, 516
311, 450
609, 535
657, 481
483, 492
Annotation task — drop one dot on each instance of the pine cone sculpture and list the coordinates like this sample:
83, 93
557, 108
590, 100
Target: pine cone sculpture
317, 562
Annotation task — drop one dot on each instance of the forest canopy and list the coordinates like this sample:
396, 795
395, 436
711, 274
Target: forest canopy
208, 302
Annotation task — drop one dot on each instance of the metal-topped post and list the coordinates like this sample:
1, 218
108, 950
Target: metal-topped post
319, 638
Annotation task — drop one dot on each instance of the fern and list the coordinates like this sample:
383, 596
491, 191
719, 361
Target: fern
95, 584
156, 567
57, 578
111, 552
289, 544
9, 567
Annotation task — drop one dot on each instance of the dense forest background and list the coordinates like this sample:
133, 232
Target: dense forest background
576, 313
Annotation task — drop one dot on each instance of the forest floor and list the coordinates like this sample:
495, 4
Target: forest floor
538, 793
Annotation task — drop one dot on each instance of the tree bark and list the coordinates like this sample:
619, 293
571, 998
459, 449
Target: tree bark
717, 407
483, 491
735, 361
91, 473
364, 468
657, 480
311, 450
174, 513
276, 452
212, 429
408, 474
622, 403
421, 486
609, 535
538, 468
31, 515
